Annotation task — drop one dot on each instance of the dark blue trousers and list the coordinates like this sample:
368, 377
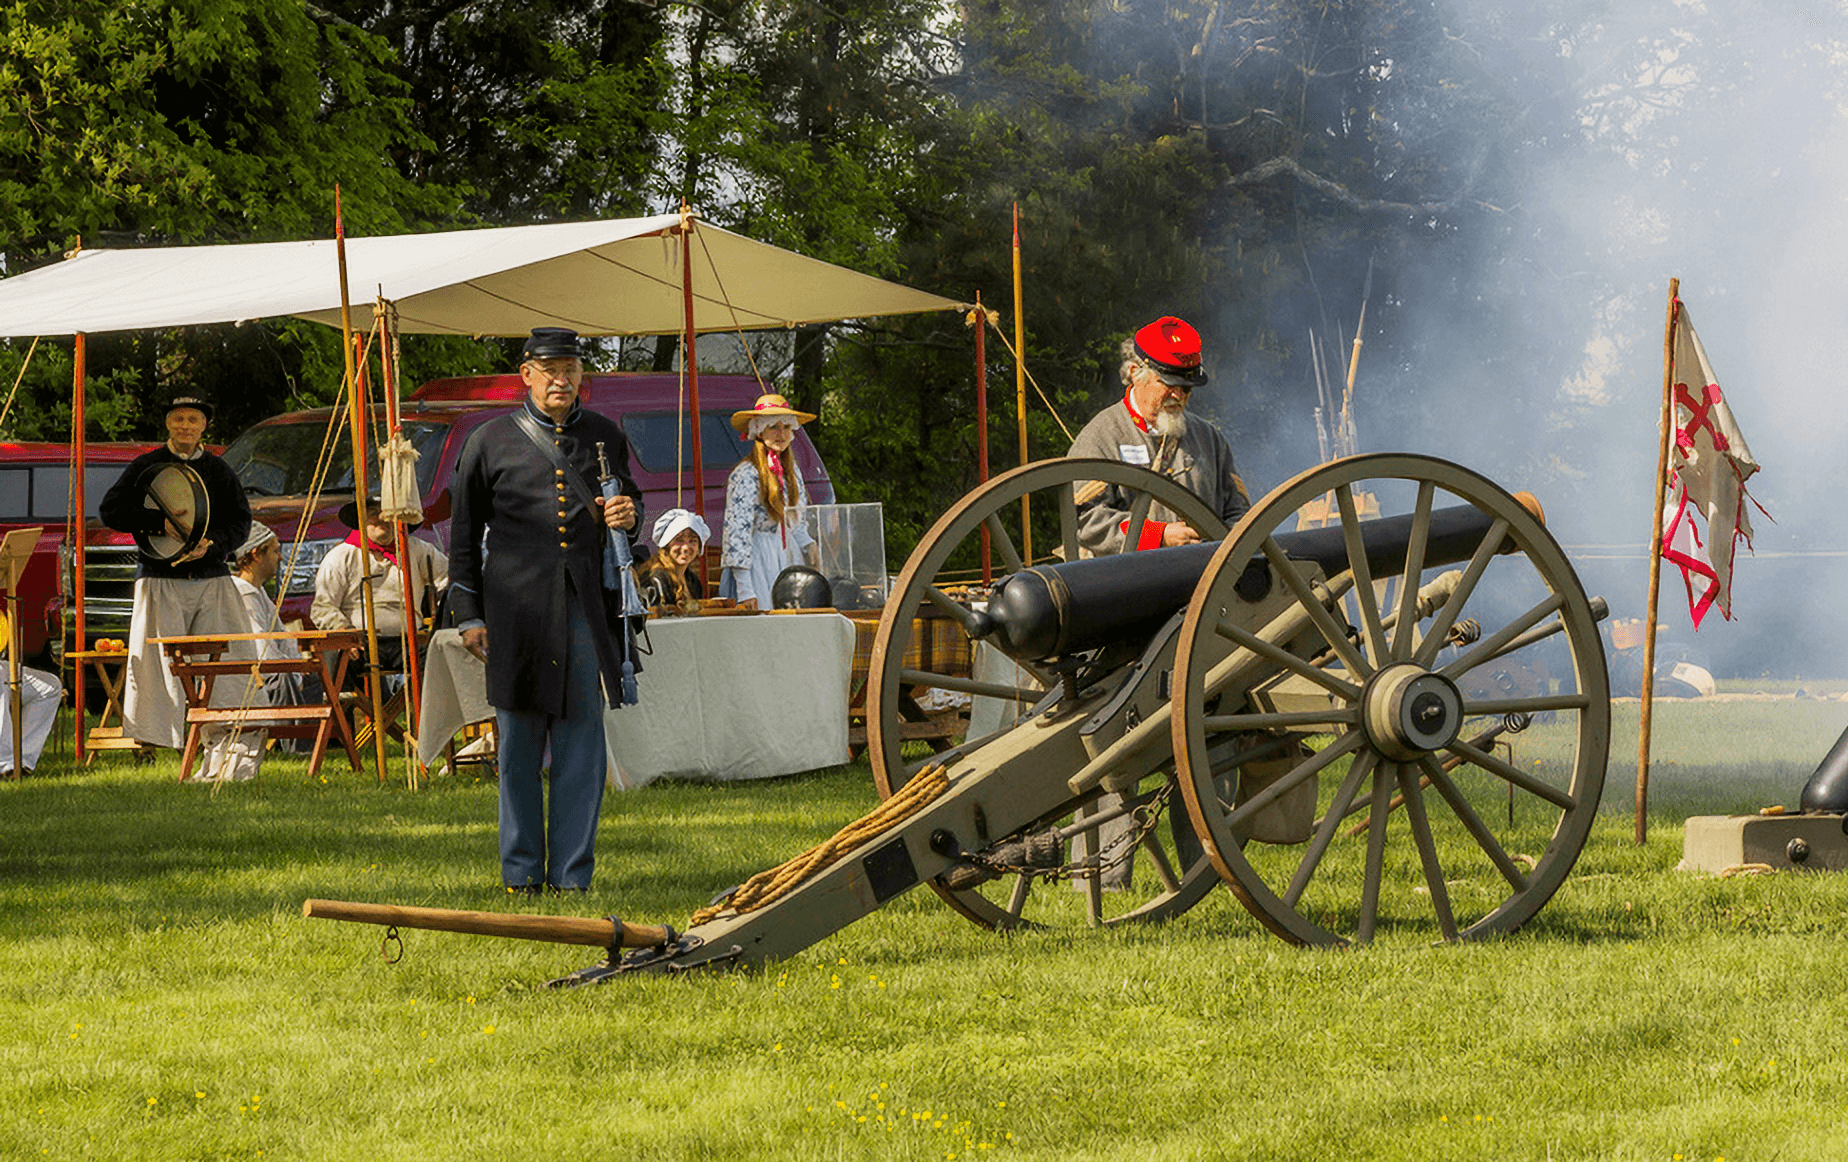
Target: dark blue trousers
556, 846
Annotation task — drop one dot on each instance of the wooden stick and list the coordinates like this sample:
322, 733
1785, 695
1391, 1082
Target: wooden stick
357, 410
1655, 564
598, 933
1020, 392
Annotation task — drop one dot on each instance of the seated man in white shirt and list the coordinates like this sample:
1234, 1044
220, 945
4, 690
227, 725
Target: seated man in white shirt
255, 565
40, 695
339, 602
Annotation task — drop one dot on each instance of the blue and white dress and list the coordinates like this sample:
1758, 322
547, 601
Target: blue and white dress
754, 548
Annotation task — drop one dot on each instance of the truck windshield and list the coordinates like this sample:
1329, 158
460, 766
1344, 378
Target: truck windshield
279, 459
652, 434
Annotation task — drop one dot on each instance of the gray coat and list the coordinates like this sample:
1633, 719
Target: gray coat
1201, 461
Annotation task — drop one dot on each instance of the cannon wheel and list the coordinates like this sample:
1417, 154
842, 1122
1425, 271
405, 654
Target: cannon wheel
1391, 855
1015, 899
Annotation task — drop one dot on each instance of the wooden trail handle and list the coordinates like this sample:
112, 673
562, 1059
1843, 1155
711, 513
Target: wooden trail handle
556, 929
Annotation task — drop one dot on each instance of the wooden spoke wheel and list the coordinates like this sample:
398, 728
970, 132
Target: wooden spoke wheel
928, 615
1390, 810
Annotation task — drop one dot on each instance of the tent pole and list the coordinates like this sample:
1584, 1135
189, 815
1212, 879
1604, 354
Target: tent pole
1020, 391
692, 363
386, 320
980, 318
80, 526
356, 413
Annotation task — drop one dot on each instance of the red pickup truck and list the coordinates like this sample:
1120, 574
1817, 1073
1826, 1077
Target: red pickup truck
276, 460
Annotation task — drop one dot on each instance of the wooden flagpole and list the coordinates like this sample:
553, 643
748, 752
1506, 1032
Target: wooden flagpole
1655, 561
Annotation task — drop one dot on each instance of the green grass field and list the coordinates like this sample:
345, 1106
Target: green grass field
163, 998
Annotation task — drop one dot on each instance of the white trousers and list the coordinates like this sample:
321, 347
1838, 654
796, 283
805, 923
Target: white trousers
154, 702
40, 694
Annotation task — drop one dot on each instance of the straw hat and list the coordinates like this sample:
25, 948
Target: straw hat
768, 405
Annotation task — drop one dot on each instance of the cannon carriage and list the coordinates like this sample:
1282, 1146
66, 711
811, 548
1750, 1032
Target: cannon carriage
1280, 710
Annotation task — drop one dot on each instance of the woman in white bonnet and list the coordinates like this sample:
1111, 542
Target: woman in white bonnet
666, 581
764, 498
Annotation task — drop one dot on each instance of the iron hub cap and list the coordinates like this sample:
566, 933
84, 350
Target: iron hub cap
1411, 711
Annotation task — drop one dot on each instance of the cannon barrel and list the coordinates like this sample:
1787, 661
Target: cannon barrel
1051, 611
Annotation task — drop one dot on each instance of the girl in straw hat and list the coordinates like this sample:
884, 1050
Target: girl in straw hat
764, 496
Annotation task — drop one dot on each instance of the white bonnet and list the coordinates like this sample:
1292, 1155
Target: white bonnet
675, 521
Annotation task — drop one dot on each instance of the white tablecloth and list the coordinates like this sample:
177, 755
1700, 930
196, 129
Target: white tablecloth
744, 697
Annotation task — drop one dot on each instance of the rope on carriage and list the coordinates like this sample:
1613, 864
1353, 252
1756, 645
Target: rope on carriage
766, 887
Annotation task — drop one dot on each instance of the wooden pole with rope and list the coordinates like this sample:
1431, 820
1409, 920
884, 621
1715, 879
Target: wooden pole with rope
1655, 561
356, 415
1020, 391
385, 324
979, 319
690, 359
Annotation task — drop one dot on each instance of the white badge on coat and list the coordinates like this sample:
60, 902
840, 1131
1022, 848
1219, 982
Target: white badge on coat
1134, 454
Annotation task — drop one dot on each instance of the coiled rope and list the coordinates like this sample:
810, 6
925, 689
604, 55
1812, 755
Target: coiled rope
766, 887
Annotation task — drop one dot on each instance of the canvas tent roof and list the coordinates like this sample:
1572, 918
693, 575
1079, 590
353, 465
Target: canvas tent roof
619, 277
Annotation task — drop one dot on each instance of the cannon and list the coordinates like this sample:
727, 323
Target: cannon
1278, 710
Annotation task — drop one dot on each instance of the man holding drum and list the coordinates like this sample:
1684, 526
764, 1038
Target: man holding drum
187, 513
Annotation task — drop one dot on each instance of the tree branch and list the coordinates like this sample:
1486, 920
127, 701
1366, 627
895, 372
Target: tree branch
1335, 191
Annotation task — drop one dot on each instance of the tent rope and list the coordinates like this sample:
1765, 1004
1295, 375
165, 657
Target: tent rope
17, 379
766, 887
994, 320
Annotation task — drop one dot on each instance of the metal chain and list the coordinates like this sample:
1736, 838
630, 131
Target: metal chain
1108, 856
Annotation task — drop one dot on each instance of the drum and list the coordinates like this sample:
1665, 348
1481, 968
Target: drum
177, 491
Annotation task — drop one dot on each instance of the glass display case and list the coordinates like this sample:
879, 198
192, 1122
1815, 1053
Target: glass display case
850, 552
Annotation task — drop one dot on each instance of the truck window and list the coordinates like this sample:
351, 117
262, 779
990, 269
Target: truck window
651, 439
42, 492
15, 493
279, 459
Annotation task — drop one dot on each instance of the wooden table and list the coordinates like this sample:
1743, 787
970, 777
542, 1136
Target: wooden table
198, 661
938, 645
111, 673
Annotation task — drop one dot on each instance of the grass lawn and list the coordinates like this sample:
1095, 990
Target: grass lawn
161, 996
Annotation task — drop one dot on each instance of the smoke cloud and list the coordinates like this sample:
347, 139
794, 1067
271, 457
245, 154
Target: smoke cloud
1710, 149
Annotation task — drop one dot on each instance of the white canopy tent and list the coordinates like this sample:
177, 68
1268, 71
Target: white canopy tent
620, 277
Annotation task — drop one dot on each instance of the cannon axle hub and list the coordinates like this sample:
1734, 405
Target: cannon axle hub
1411, 711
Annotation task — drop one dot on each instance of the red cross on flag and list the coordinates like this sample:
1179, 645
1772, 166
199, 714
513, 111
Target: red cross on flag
1709, 464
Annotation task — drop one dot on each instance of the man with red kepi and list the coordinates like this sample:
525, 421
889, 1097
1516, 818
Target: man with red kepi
1161, 367
1150, 428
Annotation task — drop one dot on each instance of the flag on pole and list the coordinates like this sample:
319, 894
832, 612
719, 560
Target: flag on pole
1709, 464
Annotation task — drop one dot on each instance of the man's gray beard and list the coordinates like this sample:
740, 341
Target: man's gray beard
1170, 422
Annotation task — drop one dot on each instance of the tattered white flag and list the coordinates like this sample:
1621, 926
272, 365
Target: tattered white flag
1709, 464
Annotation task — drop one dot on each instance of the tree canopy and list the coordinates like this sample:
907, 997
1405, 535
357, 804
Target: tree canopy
1241, 164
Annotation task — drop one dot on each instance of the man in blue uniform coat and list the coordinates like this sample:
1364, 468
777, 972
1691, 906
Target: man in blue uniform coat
530, 601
